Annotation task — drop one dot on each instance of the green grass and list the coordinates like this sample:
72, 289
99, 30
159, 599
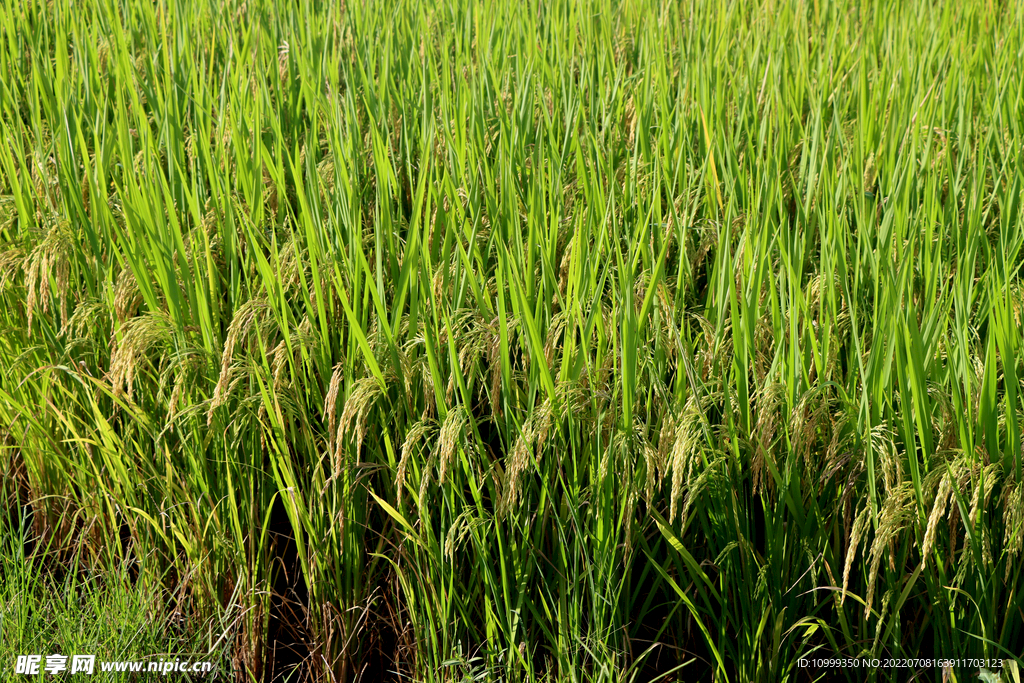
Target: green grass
54, 602
570, 341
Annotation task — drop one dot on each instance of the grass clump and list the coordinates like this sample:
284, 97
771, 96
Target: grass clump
569, 341
54, 601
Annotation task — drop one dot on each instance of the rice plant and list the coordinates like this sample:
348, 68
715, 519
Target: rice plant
569, 341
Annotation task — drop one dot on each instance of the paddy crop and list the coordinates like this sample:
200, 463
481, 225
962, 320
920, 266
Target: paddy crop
567, 341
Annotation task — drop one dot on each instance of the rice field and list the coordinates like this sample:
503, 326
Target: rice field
463, 340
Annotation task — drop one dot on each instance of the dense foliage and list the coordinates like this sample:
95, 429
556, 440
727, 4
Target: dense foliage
572, 341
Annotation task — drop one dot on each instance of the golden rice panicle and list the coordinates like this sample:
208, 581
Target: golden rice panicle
357, 408
714, 475
456, 533
419, 430
897, 514
471, 341
860, 524
987, 478
280, 361
809, 416
247, 315
683, 454
331, 402
1013, 522
88, 317
517, 463
12, 260
140, 334
654, 466
769, 401
127, 295
32, 267
530, 442
425, 478
938, 510
666, 438
451, 431
881, 442
544, 419
494, 363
